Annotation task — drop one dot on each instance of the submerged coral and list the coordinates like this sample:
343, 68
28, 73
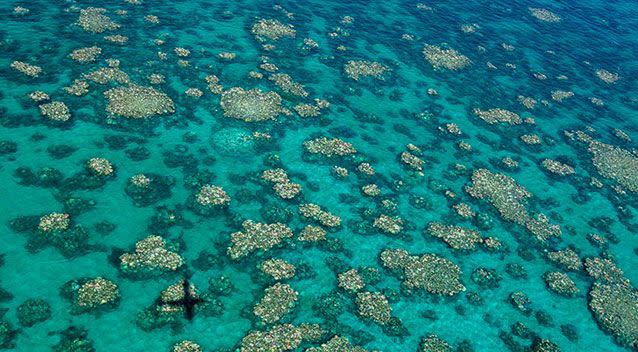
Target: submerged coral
312, 233
91, 294
351, 280
39, 96
606, 76
558, 168
33, 311
560, 283
97, 292
544, 15
433, 343
187, 346
100, 167
412, 161
509, 198
615, 163
257, 236
388, 224
286, 83
502, 192
272, 29
277, 301
615, 307
375, 306
435, 274
498, 115
94, 20
446, 58
86, 55
280, 338
337, 343
329, 147
151, 254
209, 199
26, 69
54, 222
55, 111
138, 102
605, 270
358, 69
282, 186
78, 88
278, 269
107, 75
209, 133
456, 237
307, 110
566, 258
250, 105
314, 212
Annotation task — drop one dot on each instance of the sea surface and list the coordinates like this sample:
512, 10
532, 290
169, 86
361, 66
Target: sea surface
510, 126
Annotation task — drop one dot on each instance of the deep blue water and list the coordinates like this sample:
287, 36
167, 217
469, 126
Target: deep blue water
566, 81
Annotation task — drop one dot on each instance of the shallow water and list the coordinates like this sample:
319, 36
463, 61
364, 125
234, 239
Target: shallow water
509, 53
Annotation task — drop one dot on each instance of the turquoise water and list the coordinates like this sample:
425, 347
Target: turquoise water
507, 53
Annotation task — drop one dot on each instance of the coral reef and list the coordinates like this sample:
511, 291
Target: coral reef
250, 105
359, 69
257, 236
151, 254
138, 102
430, 272
445, 58
277, 301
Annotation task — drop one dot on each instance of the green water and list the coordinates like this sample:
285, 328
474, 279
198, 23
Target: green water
201, 143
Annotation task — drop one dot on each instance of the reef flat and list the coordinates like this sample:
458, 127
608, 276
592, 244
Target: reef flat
318, 176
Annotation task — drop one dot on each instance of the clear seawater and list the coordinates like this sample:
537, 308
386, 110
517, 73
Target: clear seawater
379, 117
